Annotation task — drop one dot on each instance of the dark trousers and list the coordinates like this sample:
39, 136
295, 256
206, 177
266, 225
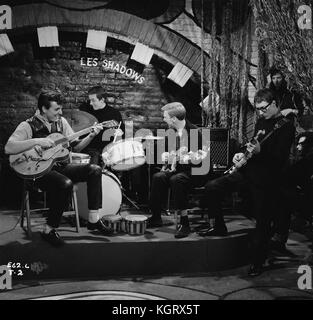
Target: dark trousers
180, 184
297, 195
263, 206
58, 184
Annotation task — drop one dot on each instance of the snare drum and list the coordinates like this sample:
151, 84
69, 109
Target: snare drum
80, 157
135, 224
114, 222
125, 154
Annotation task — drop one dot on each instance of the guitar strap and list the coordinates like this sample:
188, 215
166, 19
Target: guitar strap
280, 123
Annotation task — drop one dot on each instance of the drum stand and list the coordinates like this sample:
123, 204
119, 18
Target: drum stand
129, 200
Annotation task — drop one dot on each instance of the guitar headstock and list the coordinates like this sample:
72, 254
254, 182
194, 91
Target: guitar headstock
259, 134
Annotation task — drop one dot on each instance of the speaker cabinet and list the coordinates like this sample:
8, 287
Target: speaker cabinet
219, 148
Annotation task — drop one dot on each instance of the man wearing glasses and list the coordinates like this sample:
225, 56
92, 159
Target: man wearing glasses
261, 174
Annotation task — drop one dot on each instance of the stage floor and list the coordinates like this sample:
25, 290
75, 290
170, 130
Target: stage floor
155, 252
151, 266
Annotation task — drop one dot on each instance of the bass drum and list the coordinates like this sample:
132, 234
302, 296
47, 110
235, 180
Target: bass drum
111, 196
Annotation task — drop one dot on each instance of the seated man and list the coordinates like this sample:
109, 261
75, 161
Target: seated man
58, 182
178, 178
102, 111
262, 174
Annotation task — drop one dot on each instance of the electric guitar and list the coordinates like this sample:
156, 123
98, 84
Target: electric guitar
182, 155
36, 162
248, 155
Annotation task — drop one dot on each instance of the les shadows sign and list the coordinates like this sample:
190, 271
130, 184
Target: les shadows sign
5, 17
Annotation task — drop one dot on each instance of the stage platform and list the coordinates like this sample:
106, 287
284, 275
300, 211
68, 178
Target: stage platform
89, 254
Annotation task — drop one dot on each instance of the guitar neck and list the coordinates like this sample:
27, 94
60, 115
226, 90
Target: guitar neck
73, 136
81, 133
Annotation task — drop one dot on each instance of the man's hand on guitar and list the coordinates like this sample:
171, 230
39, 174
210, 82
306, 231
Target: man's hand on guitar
45, 143
239, 160
198, 156
254, 147
95, 130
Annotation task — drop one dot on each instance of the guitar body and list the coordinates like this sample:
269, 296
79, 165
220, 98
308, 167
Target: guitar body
36, 162
32, 165
247, 155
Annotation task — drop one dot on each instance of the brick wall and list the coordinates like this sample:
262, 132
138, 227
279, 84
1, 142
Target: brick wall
24, 76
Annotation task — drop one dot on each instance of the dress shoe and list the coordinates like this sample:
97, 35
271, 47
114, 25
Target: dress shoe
53, 238
101, 227
182, 232
153, 222
255, 270
214, 232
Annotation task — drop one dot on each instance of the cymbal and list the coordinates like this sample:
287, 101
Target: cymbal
149, 138
79, 120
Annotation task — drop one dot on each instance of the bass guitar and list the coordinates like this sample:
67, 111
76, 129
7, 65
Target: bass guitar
36, 162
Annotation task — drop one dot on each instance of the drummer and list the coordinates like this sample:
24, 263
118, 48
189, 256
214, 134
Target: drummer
100, 109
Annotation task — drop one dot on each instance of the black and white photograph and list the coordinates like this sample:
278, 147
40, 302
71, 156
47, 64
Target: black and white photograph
156, 151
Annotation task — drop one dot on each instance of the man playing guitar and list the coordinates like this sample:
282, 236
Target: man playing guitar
261, 173
176, 175
58, 182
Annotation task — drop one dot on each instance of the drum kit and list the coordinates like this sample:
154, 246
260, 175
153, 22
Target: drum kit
120, 156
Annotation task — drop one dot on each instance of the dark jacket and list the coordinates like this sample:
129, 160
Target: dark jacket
286, 99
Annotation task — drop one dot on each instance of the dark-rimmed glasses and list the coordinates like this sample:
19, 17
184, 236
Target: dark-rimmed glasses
264, 109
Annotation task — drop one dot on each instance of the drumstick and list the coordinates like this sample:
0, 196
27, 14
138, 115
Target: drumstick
115, 135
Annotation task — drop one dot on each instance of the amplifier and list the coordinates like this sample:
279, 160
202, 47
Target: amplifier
219, 148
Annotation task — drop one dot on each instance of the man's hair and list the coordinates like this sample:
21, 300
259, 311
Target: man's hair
99, 91
274, 71
175, 109
47, 96
264, 95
